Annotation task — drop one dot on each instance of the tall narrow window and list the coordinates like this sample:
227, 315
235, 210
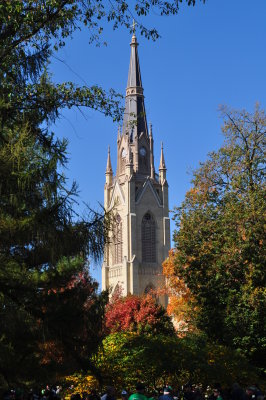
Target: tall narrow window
148, 238
118, 242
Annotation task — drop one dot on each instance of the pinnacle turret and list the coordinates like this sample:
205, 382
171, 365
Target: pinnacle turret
162, 168
109, 169
162, 162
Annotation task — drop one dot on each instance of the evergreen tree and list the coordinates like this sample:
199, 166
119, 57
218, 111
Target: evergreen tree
50, 312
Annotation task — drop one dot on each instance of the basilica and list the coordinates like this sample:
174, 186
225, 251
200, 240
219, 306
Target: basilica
139, 239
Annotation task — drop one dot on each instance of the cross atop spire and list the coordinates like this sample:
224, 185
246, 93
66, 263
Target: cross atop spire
133, 26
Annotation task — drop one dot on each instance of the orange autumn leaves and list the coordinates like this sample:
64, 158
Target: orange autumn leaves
178, 292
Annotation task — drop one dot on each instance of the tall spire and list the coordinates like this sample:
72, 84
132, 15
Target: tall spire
134, 115
134, 76
109, 165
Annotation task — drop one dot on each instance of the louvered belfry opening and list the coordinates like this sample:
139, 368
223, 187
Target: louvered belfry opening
148, 238
118, 239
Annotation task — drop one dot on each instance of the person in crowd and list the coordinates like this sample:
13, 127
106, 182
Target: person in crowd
217, 394
139, 394
167, 394
124, 395
110, 393
252, 393
237, 393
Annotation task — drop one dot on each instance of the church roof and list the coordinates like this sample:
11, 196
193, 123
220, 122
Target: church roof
134, 76
134, 115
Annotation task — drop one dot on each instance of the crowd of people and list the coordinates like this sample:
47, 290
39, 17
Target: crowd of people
186, 392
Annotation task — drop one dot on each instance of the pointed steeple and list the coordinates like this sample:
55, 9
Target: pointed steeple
109, 171
134, 76
162, 162
134, 115
109, 165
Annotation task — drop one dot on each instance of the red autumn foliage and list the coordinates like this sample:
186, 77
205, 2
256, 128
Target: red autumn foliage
136, 314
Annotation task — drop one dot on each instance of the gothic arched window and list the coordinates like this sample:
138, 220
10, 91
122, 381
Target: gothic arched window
118, 240
148, 238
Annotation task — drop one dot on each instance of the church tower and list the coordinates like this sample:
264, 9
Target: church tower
139, 240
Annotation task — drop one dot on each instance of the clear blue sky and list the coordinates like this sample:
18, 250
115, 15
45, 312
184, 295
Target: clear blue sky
208, 55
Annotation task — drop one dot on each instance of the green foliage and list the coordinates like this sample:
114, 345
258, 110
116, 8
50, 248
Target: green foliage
50, 312
219, 244
51, 315
128, 357
60, 18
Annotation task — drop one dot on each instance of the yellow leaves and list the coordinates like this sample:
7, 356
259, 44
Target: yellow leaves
79, 383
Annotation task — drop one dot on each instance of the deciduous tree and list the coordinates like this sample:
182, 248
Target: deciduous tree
219, 241
179, 295
157, 360
137, 314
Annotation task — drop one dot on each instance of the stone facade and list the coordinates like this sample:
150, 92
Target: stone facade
139, 240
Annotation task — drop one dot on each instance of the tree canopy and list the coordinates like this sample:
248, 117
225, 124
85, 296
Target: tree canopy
157, 360
47, 298
219, 241
137, 314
